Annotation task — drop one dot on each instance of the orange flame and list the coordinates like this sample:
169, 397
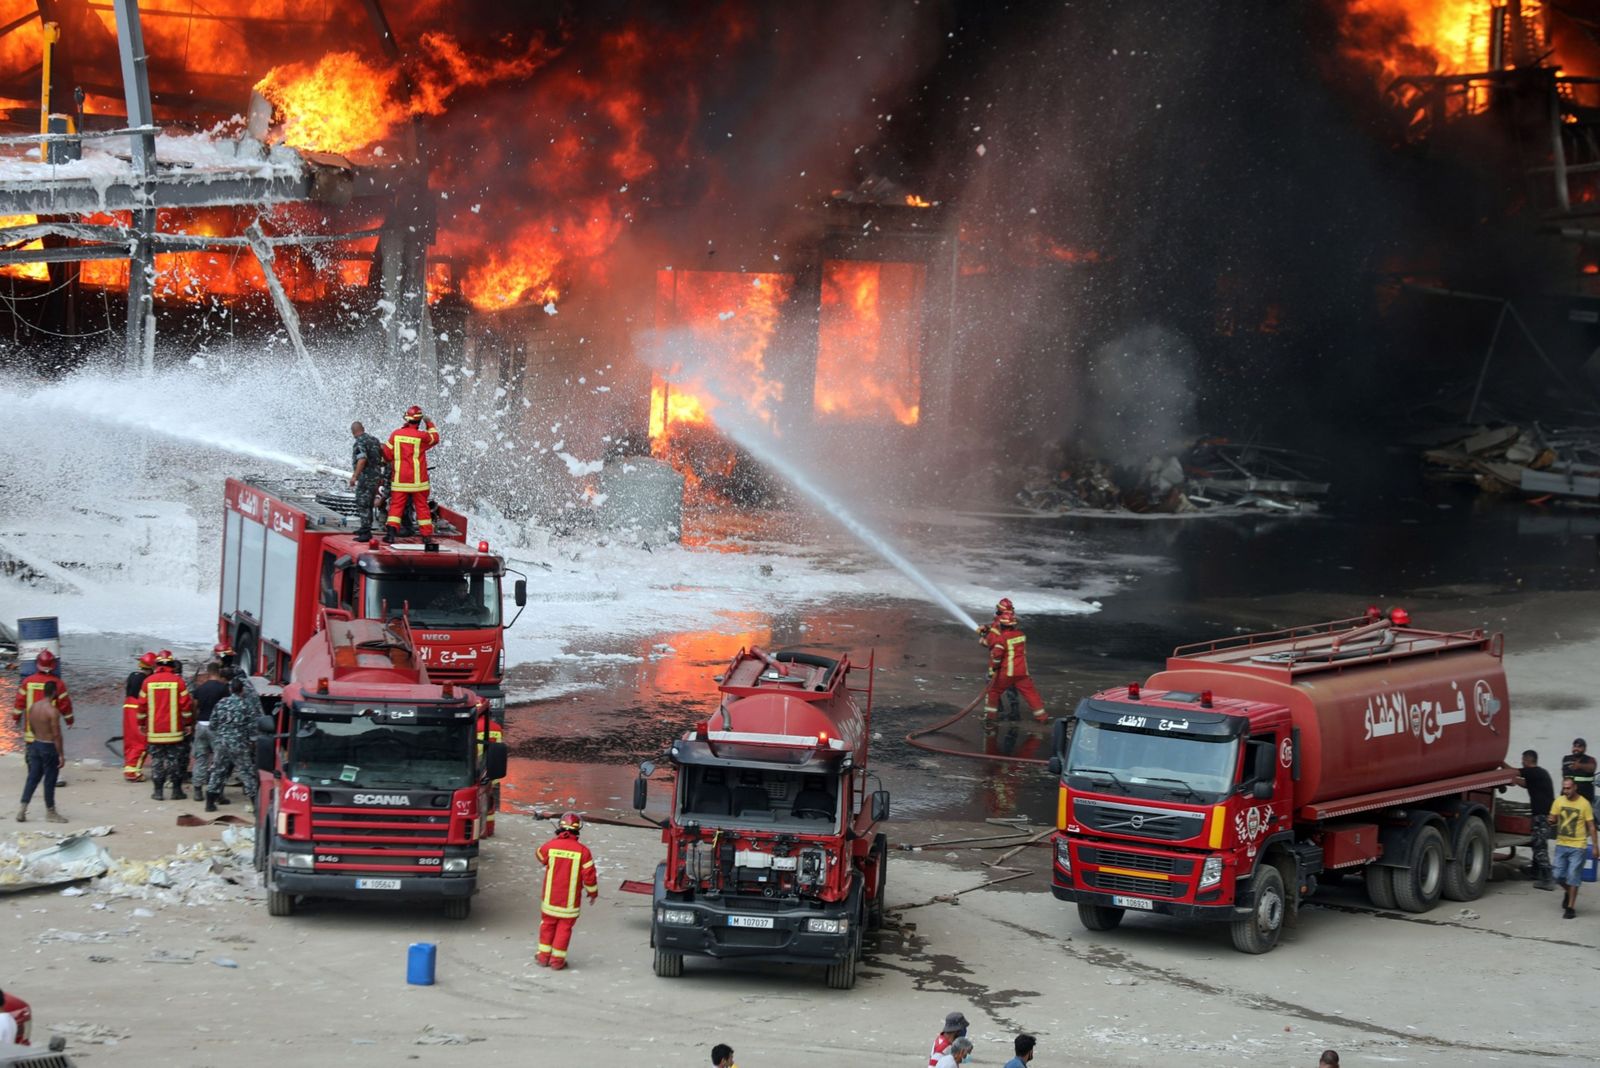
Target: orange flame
36, 272
870, 340
914, 201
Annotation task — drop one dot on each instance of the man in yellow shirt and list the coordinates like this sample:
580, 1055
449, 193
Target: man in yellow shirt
1574, 827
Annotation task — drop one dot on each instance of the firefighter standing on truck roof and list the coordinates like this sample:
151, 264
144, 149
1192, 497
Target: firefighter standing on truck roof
167, 713
407, 453
567, 864
368, 469
133, 742
1008, 663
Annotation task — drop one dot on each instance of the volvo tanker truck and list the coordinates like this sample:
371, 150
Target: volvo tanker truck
773, 850
1226, 787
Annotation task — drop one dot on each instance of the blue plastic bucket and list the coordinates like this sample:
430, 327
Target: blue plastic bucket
420, 963
1589, 870
35, 634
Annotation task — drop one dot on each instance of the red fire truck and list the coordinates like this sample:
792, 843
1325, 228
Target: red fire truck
375, 780
1228, 785
772, 845
288, 550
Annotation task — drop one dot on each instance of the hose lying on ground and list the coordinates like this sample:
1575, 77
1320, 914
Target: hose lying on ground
914, 739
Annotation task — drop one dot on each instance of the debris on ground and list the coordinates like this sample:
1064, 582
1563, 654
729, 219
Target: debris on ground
1209, 473
1532, 461
29, 861
92, 1033
432, 1037
200, 873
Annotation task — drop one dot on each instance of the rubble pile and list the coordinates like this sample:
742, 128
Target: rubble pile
202, 873
1210, 473
1527, 461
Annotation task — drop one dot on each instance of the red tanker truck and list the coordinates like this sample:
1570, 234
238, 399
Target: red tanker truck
1228, 785
772, 845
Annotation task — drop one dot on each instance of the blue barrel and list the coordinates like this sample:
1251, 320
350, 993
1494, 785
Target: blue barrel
1591, 866
35, 634
420, 962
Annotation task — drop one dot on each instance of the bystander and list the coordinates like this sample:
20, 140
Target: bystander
1579, 766
1541, 795
1022, 1045
1574, 820
44, 754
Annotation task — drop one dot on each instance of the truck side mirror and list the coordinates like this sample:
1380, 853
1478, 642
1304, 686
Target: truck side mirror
519, 593
1262, 790
1058, 737
266, 752
494, 760
880, 805
1055, 766
648, 768
1266, 763
641, 793
266, 725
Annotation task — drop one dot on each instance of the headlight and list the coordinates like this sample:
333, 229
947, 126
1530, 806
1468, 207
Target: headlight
292, 860
498, 704
680, 917
828, 926
1211, 872
1063, 855
457, 865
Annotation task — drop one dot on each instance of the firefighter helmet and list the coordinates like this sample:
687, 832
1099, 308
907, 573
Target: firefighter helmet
221, 649
1400, 617
570, 822
147, 661
1005, 607
45, 660
414, 413
165, 658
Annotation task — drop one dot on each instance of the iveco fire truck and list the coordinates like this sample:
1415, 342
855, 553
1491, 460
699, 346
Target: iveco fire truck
772, 845
375, 780
289, 550
1227, 786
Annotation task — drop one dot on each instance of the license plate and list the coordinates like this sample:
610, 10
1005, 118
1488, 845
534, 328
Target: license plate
384, 884
1133, 903
764, 922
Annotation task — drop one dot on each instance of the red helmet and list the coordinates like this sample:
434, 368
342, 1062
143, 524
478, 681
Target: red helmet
414, 413
222, 649
45, 660
1005, 607
148, 660
165, 659
1400, 617
570, 821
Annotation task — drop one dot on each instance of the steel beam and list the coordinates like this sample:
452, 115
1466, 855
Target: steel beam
65, 254
141, 338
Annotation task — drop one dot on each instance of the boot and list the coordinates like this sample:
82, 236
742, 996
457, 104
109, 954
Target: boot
542, 960
222, 798
388, 536
558, 963
211, 801
1544, 884
52, 816
177, 792
157, 794
22, 814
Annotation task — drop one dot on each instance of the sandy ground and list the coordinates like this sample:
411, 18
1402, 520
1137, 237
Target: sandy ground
1504, 982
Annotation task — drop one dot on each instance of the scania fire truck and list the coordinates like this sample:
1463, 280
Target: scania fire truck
375, 780
289, 550
773, 852
1227, 786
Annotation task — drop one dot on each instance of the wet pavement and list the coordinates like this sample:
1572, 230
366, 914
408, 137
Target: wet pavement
1180, 581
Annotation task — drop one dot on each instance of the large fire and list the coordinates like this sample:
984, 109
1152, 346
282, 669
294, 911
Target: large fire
870, 341
1412, 37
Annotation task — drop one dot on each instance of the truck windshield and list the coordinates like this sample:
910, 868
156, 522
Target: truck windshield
1189, 767
443, 600
795, 801
357, 751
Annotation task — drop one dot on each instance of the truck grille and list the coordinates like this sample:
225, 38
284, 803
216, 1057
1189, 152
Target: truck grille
1127, 884
1117, 858
751, 937
449, 674
1137, 821
341, 826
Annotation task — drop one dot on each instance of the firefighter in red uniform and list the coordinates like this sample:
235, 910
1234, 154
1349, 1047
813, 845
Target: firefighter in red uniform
31, 689
568, 864
133, 743
407, 453
166, 711
1008, 663
489, 730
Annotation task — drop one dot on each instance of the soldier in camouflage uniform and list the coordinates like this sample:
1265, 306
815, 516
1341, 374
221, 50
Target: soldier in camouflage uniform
233, 739
370, 472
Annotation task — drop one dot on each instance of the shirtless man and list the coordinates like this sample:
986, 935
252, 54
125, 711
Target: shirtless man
45, 754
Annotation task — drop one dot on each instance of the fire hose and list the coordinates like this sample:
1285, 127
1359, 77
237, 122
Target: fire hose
914, 738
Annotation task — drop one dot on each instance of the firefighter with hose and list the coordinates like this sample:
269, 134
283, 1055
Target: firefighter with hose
133, 740
406, 451
568, 865
1008, 663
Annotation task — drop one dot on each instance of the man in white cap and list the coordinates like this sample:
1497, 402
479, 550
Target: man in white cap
955, 1026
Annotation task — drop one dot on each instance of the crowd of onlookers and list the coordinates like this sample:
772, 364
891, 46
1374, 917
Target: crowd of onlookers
1568, 817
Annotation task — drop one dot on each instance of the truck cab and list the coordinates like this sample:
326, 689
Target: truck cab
375, 781
773, 852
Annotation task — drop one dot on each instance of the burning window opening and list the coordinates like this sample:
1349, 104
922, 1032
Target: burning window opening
869, 341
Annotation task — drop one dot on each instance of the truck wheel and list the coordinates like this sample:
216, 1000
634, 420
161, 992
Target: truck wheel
875, 910
457, 908
1467, 875
842, 973
669, 965
1418, 886
1380, 886
279, 903
1259, 931
1099, 917
245, 643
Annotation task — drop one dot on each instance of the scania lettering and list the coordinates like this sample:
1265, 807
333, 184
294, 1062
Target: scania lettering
1226, 787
